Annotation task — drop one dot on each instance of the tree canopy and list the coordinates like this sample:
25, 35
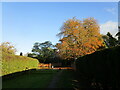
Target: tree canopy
44, 52
78, 38
109, 40
7, 47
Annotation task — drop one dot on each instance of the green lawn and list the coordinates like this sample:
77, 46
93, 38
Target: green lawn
42, 79
67, 80
33, 79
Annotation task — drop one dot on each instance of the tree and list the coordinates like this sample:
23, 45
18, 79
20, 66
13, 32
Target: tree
106, 40
78, 38
21, 54
118, 34
44, 52
7, 47
111, 40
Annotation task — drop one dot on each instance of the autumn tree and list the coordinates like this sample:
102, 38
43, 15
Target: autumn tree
7, 47
78, 38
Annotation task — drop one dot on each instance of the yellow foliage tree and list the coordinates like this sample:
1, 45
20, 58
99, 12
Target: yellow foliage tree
79, 38
7, 48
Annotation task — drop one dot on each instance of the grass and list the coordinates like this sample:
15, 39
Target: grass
67, 79
33, 79
14, 63
41, 78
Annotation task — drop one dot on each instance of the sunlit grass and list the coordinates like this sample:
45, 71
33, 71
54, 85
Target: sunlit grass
14, 63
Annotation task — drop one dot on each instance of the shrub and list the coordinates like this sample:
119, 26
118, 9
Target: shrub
102, 65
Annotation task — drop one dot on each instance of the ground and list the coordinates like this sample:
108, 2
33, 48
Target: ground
43, 79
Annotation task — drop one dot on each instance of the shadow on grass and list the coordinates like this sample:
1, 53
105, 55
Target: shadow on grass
28, 79
68, 80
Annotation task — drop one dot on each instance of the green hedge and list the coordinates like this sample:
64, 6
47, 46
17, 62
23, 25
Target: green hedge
14, 63
103, 66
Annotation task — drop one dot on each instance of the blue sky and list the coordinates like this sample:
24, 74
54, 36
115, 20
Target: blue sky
24, 23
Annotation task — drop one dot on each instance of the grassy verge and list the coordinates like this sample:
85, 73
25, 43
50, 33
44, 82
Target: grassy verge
33, 79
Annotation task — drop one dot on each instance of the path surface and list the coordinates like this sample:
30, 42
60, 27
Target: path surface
55, 80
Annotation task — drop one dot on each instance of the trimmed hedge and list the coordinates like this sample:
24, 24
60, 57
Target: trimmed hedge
102, 66
14, 63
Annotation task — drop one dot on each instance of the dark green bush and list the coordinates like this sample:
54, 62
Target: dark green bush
102, 65
14, 63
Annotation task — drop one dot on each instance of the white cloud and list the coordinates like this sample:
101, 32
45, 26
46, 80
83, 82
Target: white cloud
111, 10
109, 26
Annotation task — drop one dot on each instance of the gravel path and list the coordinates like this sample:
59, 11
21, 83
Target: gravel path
55, 80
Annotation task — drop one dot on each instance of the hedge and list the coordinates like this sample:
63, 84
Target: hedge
14, 63
103, 66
